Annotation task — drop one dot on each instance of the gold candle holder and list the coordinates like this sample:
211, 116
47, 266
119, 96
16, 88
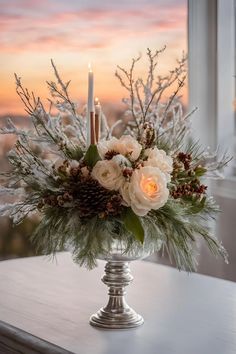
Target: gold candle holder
92, 129
97, 127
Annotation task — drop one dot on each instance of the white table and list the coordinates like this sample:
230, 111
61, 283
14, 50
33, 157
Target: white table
53, 301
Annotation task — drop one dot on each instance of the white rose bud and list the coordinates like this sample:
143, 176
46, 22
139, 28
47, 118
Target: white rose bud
147, 190
108, 174
159, 158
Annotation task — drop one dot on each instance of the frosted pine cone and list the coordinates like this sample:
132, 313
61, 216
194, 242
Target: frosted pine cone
92, 198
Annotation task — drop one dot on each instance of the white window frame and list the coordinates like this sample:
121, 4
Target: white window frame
211, 34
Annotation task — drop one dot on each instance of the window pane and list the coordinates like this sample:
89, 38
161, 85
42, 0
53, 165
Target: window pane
75, 33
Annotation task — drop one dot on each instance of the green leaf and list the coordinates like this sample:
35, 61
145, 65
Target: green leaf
200, 171
133, 224
74, 153
92, 156
196, 205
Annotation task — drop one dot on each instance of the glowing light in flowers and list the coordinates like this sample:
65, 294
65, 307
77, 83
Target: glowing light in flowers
149, 186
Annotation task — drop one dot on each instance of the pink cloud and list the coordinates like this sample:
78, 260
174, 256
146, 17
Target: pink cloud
24, 4
88, 28
92, 14
167, 25
59, 42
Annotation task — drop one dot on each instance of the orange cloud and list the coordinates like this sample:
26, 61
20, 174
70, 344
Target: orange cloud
32, 31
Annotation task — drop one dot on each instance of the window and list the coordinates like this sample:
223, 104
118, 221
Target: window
212, 78
234, 105
74, 33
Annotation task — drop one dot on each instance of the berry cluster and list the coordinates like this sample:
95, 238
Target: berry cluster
186, 178
110, 154
56, 200
186, 159
190, 189
127, 172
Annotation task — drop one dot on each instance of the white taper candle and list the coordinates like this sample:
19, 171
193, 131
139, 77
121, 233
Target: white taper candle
90, 103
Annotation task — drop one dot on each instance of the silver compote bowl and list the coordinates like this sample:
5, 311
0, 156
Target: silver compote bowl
117, 313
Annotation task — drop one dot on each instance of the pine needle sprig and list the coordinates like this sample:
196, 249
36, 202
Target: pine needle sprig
52, 173
178, 231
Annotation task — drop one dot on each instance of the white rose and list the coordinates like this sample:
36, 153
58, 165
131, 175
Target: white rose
126, 146
147, 190
159, 158
124, 191
107, 145
129, 146
108, 174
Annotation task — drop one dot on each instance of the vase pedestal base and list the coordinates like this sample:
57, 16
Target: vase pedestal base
108, 320
117, 314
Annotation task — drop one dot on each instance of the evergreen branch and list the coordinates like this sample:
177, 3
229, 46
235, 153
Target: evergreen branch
55, 169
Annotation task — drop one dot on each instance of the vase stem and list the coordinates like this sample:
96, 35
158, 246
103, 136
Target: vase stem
117, 313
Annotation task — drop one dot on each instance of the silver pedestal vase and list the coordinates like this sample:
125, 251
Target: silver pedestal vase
117, 314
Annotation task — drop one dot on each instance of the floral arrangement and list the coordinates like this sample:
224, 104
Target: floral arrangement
143, 189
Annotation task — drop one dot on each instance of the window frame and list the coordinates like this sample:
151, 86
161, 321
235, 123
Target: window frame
211, 34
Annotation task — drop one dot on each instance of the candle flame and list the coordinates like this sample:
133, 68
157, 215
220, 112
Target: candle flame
90, 67
96, 100
149, 186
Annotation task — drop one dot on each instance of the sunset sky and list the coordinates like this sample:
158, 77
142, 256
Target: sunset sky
75, 32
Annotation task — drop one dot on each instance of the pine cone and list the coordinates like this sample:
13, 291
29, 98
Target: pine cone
92, 198
114, 206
